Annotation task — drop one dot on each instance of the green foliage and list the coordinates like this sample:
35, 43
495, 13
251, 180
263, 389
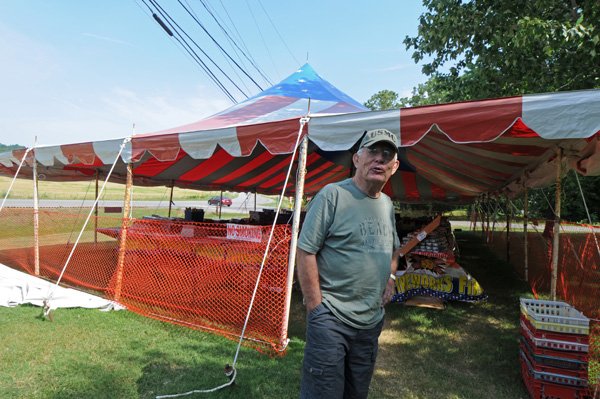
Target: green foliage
572, 206
5, 148
488, 48
382, 100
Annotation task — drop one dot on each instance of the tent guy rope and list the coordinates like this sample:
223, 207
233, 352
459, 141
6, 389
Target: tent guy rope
47, 306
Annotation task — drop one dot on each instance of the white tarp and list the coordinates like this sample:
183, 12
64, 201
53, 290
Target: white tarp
18, 288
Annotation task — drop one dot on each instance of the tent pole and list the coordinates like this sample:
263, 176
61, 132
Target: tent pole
36, 216
525, 242
220, 204
96, 209
556, 235
483, 216
491, 235
171, 197
255, 201
487, 221
300, 176
475, 214
508, 222
123, 236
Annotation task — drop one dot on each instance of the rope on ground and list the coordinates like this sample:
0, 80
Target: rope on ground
230, 371
47, 306
14, 178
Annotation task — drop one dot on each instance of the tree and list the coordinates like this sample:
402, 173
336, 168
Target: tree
382, 100
488, 48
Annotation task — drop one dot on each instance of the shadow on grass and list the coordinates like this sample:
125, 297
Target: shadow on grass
465, 351
199, 362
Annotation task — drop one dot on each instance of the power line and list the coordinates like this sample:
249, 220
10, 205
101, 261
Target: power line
232, 40
261, 35
278, 34
175, 32
218, 45
199, 48
238, 76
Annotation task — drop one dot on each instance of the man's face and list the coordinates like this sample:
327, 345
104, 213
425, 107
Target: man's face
375, 164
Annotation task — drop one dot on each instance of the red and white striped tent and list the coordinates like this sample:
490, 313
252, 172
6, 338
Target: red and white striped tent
449, 153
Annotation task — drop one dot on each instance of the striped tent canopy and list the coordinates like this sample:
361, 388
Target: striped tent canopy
449, 152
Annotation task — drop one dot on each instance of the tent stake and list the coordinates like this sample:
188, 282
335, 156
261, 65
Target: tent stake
123, 236
36, 216
301, 174
556, 235
525, 241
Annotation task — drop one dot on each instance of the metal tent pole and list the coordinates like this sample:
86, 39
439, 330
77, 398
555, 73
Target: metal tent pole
301, 174
123, 237
36, 216
220, 204
525, 238
171, 197
556, 235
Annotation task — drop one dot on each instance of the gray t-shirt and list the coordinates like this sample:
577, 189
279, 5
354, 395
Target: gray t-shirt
353, 236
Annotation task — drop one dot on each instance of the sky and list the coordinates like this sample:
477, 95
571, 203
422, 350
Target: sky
76, 71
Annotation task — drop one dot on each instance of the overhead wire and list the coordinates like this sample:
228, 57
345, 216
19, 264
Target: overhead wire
235, 71
219, 46
178, 29
246, 52
197, 60
278, 34
261, 35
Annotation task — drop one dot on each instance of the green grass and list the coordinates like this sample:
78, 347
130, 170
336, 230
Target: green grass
466, 351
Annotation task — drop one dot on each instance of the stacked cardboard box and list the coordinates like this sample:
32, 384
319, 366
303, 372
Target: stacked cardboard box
554, 350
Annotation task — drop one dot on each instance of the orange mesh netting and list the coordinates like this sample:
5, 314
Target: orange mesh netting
200, 275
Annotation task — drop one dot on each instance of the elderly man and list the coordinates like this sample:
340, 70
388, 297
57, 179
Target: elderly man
346, 270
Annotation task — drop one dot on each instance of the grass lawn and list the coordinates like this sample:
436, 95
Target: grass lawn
465, 351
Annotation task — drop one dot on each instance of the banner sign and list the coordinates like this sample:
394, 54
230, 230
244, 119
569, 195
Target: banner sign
464, 288
244, 232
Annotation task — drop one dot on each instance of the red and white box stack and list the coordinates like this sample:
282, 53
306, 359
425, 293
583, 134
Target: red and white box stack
553, 350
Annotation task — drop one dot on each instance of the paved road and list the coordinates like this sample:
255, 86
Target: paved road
242, 203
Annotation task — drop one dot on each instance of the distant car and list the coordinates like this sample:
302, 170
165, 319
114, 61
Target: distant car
217, 201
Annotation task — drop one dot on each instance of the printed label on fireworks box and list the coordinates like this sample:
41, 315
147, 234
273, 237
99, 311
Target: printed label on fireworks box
244, 232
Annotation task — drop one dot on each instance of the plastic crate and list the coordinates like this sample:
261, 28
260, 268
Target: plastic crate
543, 346
555, 316
554, 378
556, 336
553, 365
546, 390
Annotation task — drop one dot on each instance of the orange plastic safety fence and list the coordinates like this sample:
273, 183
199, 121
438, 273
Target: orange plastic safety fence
200, 275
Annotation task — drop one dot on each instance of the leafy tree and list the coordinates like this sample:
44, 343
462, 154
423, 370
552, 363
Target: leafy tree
382, 100
489, 48
572, 206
